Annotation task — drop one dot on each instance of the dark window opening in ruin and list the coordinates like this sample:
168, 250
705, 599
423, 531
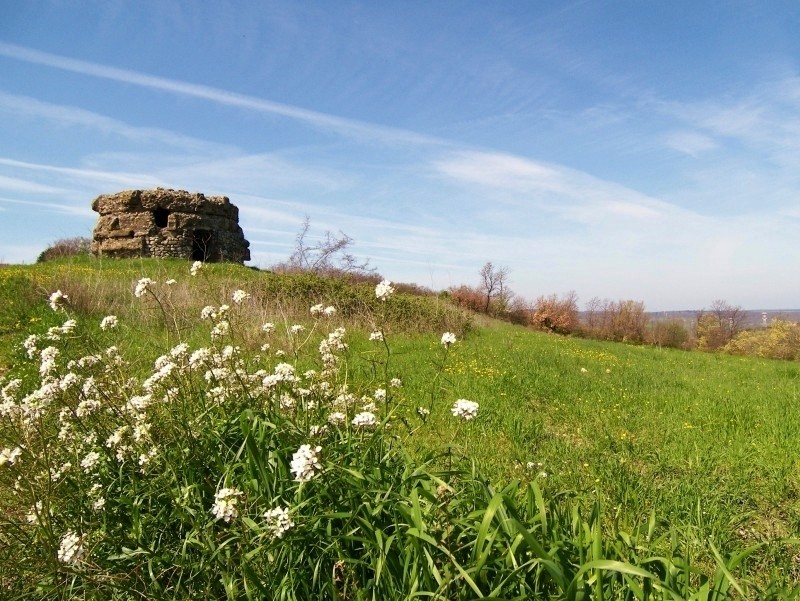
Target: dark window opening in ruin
203, 247
161, 217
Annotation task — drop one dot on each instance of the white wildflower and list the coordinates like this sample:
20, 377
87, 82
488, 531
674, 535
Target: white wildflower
195, 268
278, 521
329, 311
464, 409
423, 412
395, 383
71, 549
296, 329
305, 463
91, 460
143, 286
317, 309
384, 290
337, 418
32, 517
380, 395
9, 456
109, 322
171, 282
208, 312
365, 419
225, 501
58, 300
448, 338
268, 328
68, 326
30, 345
220, 329
240, 296
376, 336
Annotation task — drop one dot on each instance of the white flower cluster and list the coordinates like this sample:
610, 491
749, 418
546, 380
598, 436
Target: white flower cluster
305, 463
109, 322
9, 456
384, 290
465, 409
330, 345
278, 521
58, 300
239, 296
317, 310
225, 501
448, 338
376, 336
143, 286
195, 268
366, 420
268, 328
71, 549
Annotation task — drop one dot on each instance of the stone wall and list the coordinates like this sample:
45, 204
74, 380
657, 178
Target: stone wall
168, 223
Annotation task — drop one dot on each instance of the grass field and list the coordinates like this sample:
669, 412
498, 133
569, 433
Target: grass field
677, 453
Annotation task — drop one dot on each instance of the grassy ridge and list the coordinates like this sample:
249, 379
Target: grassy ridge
705, 445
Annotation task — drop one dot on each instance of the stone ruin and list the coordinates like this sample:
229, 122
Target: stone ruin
168, 223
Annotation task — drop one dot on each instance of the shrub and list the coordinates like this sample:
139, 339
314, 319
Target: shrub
620, 321
781, 340
556, 314
66, 247
671, 333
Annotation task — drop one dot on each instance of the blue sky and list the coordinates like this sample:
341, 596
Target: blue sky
620, 149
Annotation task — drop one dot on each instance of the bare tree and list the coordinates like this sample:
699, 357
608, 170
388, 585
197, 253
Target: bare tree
494, 282
717, 327
329, 256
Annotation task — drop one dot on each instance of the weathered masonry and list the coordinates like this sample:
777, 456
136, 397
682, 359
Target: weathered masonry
168, 223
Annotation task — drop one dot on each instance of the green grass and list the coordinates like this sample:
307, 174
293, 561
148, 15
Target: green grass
669, 453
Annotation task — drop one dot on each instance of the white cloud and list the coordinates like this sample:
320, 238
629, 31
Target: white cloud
346, 127
689, 142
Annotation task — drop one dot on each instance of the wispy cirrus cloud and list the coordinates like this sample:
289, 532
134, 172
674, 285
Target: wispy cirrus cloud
72, 116
322, 121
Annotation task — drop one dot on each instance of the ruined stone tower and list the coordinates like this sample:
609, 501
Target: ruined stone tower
168, 223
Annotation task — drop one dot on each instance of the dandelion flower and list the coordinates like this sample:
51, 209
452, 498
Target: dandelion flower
71, 549
109, 322
278, 521
465, 409
448, 338
305, 463
58, 300
225, 501
384, 290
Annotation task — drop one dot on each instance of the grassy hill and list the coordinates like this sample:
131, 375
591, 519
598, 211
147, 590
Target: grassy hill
633, 452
